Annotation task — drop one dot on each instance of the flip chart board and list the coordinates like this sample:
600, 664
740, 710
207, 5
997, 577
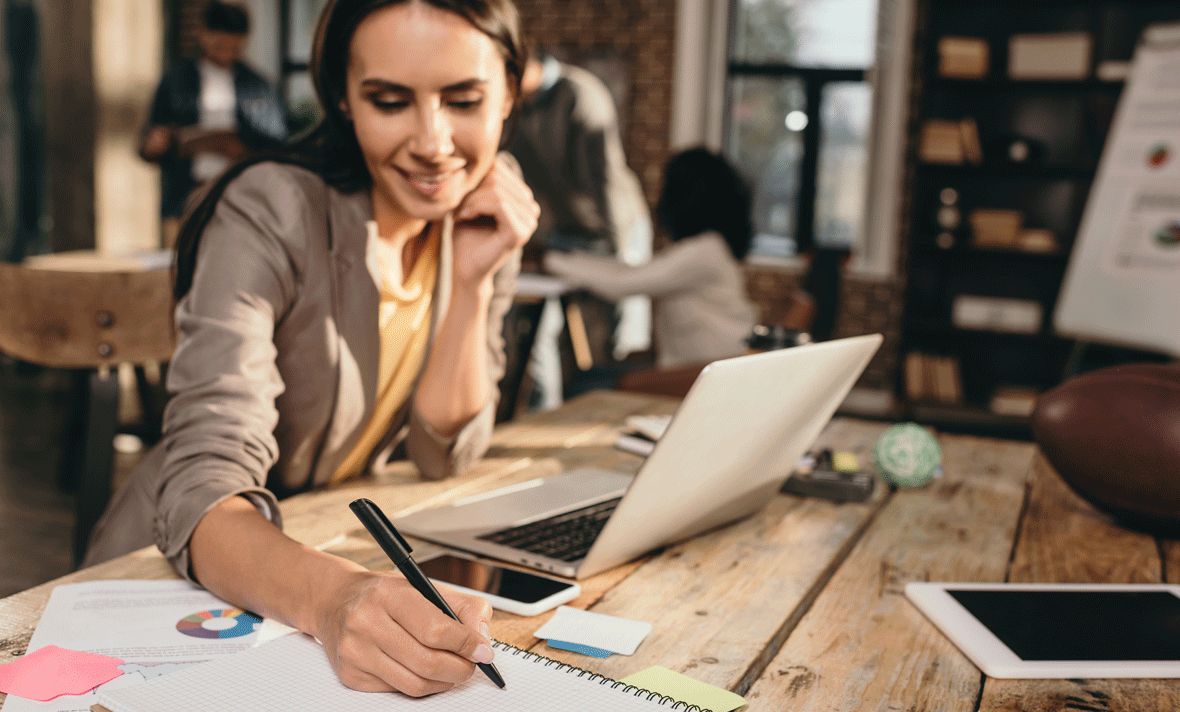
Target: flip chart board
1122, 285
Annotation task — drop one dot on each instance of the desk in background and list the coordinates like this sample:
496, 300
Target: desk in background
799, 607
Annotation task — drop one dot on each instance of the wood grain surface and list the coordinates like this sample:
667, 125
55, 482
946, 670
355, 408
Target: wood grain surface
862, 645
1065, 540
798, 607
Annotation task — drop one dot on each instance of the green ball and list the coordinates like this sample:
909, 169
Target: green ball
907, 455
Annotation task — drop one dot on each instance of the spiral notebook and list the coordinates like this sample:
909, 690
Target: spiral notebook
293, 673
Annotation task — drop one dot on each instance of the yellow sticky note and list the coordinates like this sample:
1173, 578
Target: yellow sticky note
844, 461
685, 689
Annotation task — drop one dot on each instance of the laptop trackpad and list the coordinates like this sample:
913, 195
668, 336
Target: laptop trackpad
519, 503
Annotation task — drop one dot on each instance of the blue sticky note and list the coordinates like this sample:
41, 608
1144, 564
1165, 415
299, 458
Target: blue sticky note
578, 648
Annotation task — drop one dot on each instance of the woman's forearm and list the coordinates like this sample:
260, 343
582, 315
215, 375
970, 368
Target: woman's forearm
454, 384
378, 632
242, 557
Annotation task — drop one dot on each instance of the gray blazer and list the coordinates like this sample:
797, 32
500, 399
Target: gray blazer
275, 369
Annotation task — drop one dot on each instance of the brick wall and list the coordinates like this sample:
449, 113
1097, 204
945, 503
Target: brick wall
641, 34
866, 307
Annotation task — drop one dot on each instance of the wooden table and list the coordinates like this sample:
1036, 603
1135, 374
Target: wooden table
799, 607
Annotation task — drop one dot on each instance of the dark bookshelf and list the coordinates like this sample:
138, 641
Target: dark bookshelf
1062, 124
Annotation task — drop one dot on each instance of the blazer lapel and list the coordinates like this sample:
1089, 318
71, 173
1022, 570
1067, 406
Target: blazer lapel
355, 304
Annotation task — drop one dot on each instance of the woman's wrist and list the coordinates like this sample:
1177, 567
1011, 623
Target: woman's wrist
328, 592
475, 295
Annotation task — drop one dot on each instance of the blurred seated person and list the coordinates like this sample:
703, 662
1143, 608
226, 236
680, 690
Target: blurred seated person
702, 312
208, 112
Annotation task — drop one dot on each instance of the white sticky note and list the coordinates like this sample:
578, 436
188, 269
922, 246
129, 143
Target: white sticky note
598, 630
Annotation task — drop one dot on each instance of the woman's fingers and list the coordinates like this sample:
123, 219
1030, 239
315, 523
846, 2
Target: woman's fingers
389, 637
502, 195
475, 612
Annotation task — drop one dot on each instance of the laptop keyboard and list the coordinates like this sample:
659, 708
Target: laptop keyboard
565, 536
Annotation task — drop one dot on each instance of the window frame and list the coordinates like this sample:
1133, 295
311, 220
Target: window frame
700, 104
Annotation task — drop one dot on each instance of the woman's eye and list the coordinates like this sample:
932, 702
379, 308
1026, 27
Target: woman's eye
465, 104
383, 104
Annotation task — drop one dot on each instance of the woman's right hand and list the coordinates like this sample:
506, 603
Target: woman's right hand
382, 635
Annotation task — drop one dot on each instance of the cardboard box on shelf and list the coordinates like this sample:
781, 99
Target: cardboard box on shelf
995, 227
1017, 316
969, 134
1014, 400
962, 57
1050, 55
941, 142
1037, 240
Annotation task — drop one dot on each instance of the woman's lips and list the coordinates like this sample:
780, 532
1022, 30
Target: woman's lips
429, 185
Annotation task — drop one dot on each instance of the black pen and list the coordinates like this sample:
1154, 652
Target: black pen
398, 551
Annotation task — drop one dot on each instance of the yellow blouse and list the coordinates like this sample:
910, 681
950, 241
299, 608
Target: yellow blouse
404, 321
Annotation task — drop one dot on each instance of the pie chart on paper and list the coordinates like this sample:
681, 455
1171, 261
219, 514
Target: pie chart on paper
219, 623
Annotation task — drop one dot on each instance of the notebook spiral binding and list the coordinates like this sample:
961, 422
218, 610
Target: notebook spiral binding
600, 679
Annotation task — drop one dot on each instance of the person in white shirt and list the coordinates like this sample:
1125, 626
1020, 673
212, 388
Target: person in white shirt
702, 311
208, 112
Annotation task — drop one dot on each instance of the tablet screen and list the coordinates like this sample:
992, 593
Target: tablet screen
1079, 625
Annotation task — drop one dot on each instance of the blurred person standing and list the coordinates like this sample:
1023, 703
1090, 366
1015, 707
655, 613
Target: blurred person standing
568, 145
208, 112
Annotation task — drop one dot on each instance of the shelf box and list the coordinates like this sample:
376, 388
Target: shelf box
941, 142
1014, 400
1016, 316
962, 57
1050, 56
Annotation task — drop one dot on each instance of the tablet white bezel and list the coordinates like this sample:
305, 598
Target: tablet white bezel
996, 660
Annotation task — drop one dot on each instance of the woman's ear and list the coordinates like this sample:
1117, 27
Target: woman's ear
344, 109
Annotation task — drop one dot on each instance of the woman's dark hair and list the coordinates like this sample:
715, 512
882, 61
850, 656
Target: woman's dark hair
226, 17
330, 148
702, 191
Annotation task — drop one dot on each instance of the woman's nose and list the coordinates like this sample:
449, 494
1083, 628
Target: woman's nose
433, 137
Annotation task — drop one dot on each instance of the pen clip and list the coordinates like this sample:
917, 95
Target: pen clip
363, 507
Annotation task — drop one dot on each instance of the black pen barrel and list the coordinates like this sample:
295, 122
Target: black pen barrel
398, 551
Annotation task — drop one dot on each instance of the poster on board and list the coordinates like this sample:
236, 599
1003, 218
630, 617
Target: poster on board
1122, 285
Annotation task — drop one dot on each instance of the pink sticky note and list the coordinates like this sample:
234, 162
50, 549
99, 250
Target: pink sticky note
52, 672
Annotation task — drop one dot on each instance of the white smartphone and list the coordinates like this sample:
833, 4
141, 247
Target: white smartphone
1058, 630
507, 589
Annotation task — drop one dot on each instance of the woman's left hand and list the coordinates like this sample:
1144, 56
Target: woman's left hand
495, 219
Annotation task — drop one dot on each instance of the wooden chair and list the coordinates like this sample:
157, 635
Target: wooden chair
88, 321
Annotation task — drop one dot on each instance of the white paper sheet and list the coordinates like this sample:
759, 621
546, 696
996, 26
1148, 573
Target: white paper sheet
137, 622
598, 630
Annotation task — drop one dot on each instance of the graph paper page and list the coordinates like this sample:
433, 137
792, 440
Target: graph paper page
293, 673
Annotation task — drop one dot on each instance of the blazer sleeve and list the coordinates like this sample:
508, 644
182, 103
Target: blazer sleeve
438, 457
219, 424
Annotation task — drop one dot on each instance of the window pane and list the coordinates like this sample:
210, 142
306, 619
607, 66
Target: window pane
302, 21
769, 154
302, 108
841, 186
806, 33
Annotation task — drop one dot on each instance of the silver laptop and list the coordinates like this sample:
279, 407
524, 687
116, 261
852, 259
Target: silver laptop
732, 442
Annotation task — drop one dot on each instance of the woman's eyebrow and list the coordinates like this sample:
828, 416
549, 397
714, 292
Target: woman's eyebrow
386, 85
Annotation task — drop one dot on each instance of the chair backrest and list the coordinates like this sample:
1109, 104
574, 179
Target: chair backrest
67, 319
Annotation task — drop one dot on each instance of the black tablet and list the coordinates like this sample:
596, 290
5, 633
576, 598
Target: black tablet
1058, 630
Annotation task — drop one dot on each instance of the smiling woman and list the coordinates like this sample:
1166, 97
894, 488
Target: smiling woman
338, 303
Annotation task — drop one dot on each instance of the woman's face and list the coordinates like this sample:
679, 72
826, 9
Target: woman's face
427, 94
